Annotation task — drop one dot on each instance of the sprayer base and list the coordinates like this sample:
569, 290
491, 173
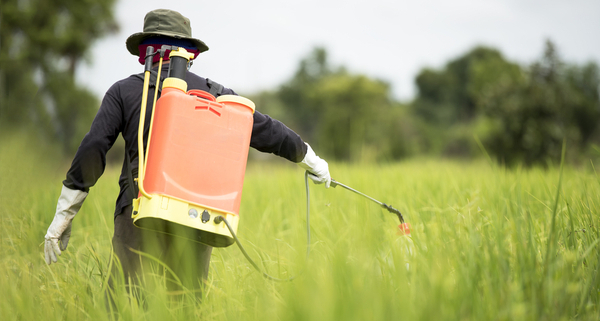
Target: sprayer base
177, 217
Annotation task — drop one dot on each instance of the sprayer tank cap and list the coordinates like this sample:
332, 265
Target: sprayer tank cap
237, 99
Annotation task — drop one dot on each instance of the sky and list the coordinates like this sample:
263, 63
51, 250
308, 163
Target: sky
257, 45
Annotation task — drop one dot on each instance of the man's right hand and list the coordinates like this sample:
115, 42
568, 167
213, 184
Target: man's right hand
316, 166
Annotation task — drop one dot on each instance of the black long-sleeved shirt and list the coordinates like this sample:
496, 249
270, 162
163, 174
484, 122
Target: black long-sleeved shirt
119, 113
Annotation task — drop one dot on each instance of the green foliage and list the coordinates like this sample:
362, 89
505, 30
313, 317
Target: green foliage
452, 100
41, 44
558, 102
454, 94
296, 94
521, 115
479, 247
344, 116
348, 107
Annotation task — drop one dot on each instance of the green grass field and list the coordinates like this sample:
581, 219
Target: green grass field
487, 243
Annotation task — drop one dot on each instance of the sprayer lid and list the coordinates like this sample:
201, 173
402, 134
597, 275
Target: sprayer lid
237, 99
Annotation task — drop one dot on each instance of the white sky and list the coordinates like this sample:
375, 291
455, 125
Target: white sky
256, 45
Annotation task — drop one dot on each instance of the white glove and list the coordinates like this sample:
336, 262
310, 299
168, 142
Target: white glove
69, 203
316, 166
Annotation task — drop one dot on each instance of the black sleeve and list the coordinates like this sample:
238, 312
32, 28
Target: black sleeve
272, 136
90, 160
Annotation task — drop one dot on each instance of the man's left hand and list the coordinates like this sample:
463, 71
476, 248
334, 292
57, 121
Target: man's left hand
59, 232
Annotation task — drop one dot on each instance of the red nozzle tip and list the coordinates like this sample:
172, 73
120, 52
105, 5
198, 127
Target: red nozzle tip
404, 229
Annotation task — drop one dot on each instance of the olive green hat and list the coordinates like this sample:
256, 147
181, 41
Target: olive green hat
164, 22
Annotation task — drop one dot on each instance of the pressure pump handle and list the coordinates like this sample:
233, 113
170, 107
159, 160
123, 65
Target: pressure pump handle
148, 58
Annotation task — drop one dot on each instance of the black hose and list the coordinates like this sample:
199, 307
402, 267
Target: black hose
218, 220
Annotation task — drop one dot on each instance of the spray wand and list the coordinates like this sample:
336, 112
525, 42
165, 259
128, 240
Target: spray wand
404, 227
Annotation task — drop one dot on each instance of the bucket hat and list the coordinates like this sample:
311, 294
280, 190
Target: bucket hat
164, 22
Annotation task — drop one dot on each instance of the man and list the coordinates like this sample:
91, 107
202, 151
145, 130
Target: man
119, 114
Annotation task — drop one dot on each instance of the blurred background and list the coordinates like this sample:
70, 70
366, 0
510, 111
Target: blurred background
361, 81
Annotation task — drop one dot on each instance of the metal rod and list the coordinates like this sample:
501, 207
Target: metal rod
335, 183
390, 209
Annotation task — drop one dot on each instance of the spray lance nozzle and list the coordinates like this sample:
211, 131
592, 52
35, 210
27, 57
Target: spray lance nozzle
403, 227
393, 211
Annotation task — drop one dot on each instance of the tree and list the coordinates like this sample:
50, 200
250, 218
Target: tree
41, 45
345, 116
521, 114
452, 100
557, 102
583, 90
354, 113
453, 95
294, 94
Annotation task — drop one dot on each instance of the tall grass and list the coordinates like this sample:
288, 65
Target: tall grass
482, 246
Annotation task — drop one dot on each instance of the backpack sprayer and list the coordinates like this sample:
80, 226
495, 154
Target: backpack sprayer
190, 179
193, 169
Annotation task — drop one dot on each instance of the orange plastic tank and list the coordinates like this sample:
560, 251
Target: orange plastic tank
196, 162
199, 149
